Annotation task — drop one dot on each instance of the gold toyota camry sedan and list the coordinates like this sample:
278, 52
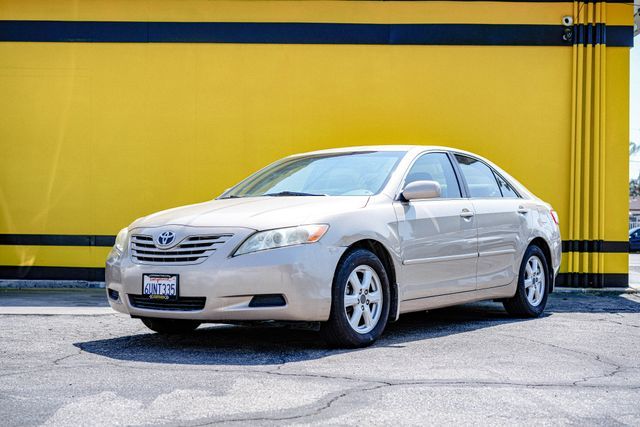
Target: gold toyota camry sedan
342, 240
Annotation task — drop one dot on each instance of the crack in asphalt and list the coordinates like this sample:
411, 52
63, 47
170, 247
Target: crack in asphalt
383, 384
57, 361
470, 383
594, 356
315, 411
617, 368
618, 323
595, 377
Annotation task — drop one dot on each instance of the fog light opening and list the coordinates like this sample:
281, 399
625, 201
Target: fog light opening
268, 300
113, 295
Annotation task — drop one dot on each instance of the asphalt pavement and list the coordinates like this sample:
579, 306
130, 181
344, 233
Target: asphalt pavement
66, 359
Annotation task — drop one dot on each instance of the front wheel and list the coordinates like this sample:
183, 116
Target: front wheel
360, 301
533, 285
170, 326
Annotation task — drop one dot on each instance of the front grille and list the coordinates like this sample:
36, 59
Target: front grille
179, 304
191, 250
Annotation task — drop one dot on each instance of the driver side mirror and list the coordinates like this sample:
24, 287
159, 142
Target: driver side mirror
421, 190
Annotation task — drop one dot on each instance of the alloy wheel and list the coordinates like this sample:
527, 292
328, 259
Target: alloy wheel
363, 299
534, 281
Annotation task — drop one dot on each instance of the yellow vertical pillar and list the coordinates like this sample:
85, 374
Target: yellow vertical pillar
601, 134
586, 228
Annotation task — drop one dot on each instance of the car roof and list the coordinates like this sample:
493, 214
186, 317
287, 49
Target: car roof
402, 148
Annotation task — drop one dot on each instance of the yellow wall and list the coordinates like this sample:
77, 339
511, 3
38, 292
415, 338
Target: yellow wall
95, 135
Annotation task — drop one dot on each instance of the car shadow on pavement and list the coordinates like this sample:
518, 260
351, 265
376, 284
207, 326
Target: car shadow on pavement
241, 345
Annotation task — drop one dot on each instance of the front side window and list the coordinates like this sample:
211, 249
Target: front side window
480, 178
435, 167
337, 174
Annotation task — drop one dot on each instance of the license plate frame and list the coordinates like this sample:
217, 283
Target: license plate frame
165, 284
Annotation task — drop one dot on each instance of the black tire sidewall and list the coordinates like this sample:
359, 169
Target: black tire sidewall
338, 317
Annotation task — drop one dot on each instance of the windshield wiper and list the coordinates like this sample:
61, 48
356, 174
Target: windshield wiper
291, 193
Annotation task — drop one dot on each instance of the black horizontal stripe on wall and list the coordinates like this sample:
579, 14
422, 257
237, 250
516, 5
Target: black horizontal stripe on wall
89, 274
295, 33
593, 34
593, 280
595, 246
56, 240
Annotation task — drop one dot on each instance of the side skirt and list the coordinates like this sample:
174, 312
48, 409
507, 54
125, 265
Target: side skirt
430, 303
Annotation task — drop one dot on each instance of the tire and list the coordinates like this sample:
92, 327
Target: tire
170, 326
527, 302
370, 284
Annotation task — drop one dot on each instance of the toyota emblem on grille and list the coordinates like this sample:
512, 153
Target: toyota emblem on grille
166, 238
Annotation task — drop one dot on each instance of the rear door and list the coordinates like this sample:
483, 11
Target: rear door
438, 236
502, 221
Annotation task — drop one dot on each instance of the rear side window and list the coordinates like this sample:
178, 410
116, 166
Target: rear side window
436, 167
480, 179
505, 188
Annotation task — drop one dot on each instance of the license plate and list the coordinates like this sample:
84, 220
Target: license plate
160, 286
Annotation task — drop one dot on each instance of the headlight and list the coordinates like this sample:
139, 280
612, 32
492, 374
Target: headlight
282, 237
121, 239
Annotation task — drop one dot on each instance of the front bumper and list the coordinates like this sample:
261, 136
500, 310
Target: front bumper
303, 274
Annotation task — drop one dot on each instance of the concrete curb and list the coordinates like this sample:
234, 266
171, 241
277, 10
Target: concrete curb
50, 284
57, 311
629, 290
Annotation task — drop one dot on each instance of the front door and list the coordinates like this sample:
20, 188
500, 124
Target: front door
438, 236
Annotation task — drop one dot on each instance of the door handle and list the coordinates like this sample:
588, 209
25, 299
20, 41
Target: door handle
522, 210
466, 213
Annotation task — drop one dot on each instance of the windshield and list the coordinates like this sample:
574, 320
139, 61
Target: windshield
339, 174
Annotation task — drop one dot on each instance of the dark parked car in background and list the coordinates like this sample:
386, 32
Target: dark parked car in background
634, 240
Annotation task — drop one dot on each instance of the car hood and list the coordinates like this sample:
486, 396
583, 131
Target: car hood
258, 213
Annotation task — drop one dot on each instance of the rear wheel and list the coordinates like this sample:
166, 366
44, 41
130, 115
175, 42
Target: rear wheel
533, 285
360, 301
170, 326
